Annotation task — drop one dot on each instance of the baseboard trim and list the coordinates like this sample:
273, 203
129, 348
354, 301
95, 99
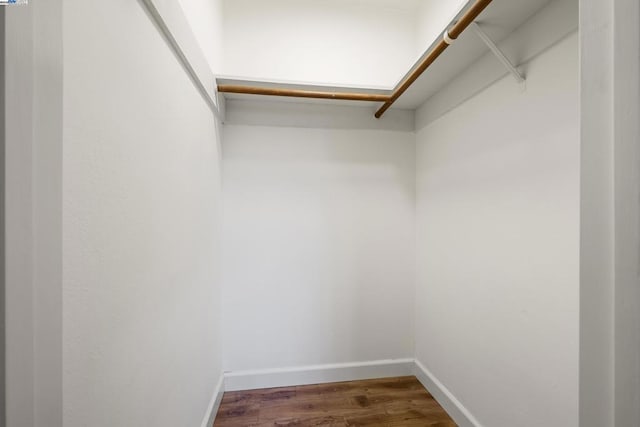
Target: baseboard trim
461, 415
317, 374
214, 405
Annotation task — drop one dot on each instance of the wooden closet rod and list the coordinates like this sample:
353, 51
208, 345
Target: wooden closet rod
298, 93
448, 38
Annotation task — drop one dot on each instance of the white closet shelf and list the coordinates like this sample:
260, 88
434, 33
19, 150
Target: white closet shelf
537, 25
499, 20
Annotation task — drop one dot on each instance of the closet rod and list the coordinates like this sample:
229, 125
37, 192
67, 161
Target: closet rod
299, 93
448, 38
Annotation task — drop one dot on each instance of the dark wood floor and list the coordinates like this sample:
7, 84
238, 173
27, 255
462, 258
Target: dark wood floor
388, 402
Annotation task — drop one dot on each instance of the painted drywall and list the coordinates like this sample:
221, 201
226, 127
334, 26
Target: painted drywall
610, 163
597, 260
33, 83
20, 329
141, 200
433, 17
543, 29
370, 43
318, 237
3, 411
626, 108
340, 42
498, 247
206, 21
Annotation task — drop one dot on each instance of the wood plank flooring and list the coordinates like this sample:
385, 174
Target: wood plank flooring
388, 402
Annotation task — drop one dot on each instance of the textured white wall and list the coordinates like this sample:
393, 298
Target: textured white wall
498, 247
321, 41
141, 214
319, 243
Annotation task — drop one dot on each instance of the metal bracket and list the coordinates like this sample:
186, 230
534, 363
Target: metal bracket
498, 53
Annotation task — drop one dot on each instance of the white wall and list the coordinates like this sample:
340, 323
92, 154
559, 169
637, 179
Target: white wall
141, 215
498, 244
597, 216
343, 42
33, 214
18, 181
433, 18
3, 393
319, 237
626, 131
609, 247
206, 21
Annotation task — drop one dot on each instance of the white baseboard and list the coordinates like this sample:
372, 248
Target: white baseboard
445, 398
317, 374
214, 405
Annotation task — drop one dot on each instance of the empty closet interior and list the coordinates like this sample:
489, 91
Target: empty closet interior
386, 188
444, 232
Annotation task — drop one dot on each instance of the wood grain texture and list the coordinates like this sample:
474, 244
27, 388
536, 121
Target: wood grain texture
388, 402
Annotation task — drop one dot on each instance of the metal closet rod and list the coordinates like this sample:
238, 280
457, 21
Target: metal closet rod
449, 37
299, 93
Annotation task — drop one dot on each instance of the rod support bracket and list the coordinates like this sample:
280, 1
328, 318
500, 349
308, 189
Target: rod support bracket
447, 38
498, 53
